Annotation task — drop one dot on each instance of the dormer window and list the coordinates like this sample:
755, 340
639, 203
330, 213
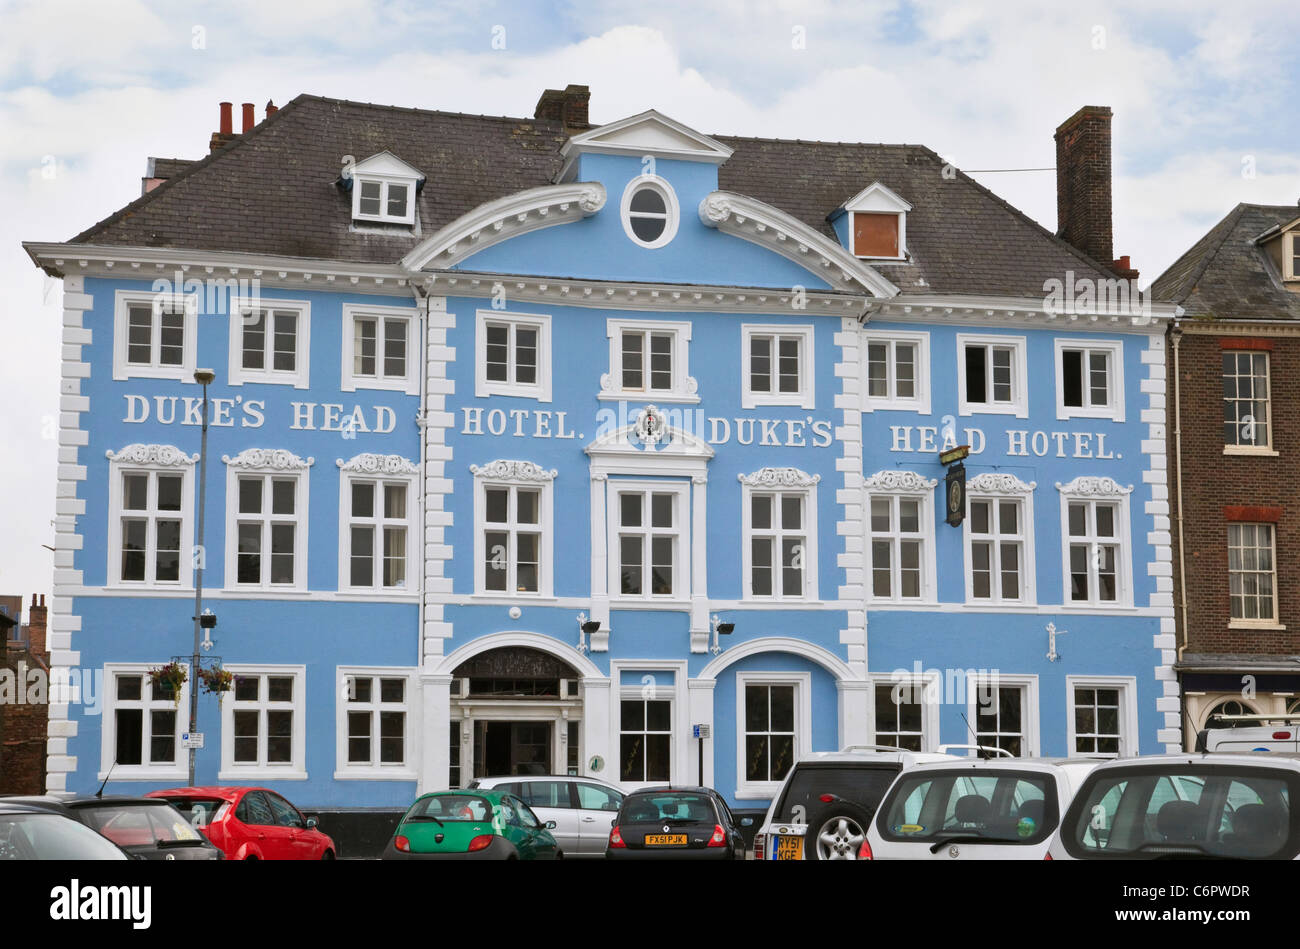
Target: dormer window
383, 189
1293, 257
878, 224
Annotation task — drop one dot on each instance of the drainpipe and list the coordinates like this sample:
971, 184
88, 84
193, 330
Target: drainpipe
422, 306
1176, 337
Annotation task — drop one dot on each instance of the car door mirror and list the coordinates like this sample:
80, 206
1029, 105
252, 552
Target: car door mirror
549, 825
311, 823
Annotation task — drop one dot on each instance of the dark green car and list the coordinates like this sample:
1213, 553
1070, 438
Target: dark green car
471, 825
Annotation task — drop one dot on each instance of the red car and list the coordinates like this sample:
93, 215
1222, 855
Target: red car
251, 823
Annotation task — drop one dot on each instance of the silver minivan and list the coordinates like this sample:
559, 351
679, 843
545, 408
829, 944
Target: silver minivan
583, 808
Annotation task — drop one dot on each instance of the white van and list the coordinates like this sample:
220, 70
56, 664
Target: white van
1258, 733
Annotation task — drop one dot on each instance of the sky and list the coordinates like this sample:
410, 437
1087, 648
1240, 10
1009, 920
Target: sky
1204, 97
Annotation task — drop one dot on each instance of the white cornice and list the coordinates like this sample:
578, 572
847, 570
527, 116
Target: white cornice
779, 478
504, 218
989, 310
161, 456
899, 482
505, 470
766, 226
268, 459
1092, 486
370, 463
999, 483
647, 133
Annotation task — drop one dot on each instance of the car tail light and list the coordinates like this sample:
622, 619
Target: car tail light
826, 798
616, 838
760, 846
1281, 735
864, 852
1047, 856
402, 844
481, 842
719, 838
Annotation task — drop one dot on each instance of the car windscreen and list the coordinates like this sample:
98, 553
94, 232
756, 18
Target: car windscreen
139, 825
51, 837
667, 807
860, 784
1185, 810
451, 807
1005, 807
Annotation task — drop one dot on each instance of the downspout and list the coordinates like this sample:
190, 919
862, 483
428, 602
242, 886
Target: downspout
1176, 336
422, 305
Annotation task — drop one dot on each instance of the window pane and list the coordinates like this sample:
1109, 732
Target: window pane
632, 716
881, 514
662, 565
647, 228
362, 568
630, 553
249, 557
1001, 375
286, 341
792, 560
134, 539
395, 348
526, 355
359, 737
788, 364
661, 510
128, 688
282, 540
658, 716
392, 690
633, 364
246, 728
254, 350
394, 557
162, 737
528, 503
760, 364
279, 688
630, 510
529, 560
1078, 520
279, 736
169, 492
363, 499
979, 516
1105, 520
761, 512
171, 341
1072, 378
250, 495
392, 737
878, 370
792, 512
905, 370
282, 494
909, 516
167, 551
648, 200
1008, 517
782, 708
661, 361
363, 347
975, 374
497, 559
497, 352
139, 335
369, 203
761, 565
397, 195
129, 724
135, 492
395, 501
497, 505
1098, 378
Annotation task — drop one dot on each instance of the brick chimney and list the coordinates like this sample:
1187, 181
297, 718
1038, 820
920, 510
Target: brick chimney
567, 106
1083, 198
36, 625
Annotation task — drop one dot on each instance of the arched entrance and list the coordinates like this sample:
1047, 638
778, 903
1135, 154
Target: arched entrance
519, 712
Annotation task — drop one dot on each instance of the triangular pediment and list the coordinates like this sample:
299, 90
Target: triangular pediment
649, 133
663, 434
876, 197
387, 164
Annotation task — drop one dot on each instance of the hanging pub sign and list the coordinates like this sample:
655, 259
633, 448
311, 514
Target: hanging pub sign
954, 490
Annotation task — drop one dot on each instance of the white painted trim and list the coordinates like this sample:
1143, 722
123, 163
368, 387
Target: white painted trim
673, 217
122, 301
920, 404
760, 223
402, 472
1029, 710
806, 488
515, 475
499, 220
802, 682
1114, 348
902, 235
296, 769
179, 770
1128, 715
410, 384
996, 488
1092, 490
385, 181
483, 387
646, 133
1019, 404
683, 547
563, 651
154, 460
1266, 449
407, 770
246, 464
806, 397
679, 752
930, 684
877, 197
799, 647
237, 375
902, 485
684, 385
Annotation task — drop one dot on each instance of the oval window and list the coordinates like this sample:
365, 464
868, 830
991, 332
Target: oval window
649, 211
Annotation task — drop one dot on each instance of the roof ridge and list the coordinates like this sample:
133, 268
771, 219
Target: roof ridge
195, 166
407, 108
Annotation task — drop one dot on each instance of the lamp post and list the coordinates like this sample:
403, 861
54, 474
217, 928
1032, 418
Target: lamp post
203, 377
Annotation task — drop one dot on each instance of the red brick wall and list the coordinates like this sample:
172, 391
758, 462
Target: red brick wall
22, 757
1218, 489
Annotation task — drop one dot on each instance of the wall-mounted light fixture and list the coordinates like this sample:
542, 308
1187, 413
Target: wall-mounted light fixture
720, 629
585, 628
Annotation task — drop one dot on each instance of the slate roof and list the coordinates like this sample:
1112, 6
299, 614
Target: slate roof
273, 191
1226, 275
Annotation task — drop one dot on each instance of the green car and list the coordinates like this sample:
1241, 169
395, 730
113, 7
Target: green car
471, 825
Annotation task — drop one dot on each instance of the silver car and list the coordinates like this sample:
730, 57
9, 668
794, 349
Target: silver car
583, 808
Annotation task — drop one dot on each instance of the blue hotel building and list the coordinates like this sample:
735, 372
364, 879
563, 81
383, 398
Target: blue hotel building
538, 446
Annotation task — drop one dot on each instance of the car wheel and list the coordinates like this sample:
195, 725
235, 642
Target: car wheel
559, 855
836, 832
327, 855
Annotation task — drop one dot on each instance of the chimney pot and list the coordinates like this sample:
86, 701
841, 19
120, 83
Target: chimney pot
227, 120
249, 119
1083, 185
271, 108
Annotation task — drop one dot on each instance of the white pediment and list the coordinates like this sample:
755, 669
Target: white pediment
658, 441
877, 197
648, 133
386, 165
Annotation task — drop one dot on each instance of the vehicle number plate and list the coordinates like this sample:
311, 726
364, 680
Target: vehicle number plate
665, 840
789, 848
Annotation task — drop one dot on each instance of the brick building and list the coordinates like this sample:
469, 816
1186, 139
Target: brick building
1235, 437
23, 724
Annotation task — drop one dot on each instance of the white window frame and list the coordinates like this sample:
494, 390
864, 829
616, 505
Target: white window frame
920, 402
930, 685
1128, 716
375, 771
898, 486
351, 381
300, 376
384, 182
1082, 490
123, 300
681, 530
301, 519
684, 386
1019, 404
294, 770
515, 475
672, 211
997, 489
179, 769
1288, 259
1266, 447
1029, 710
802, 682
414, 535
1259, 623
802, 485
120, 464
1113, 349
539, 390
624, 694
806, 396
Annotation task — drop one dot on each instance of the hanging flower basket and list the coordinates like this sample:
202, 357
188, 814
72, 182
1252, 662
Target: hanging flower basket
217, 681
169, 678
